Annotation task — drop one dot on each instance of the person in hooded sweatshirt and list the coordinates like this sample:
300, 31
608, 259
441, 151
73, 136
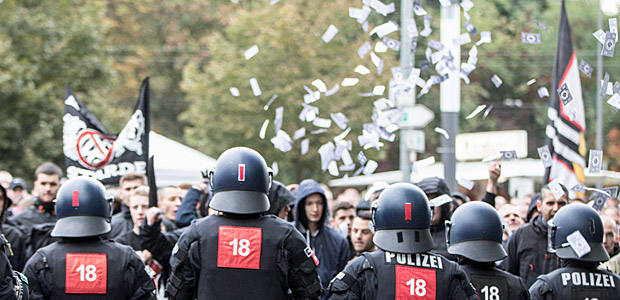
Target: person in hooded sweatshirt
311, 219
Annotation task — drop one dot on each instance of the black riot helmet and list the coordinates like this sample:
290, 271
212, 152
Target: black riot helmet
402, 218
240, 182
578, 217
475, 232
82, 209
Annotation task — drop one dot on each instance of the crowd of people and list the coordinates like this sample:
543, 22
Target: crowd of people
299, 240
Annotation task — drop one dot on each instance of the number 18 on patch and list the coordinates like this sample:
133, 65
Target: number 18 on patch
86, 273
239, 247
415, 283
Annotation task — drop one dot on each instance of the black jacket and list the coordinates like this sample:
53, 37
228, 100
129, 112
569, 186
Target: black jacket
527, 252
37, 214
240, 257
17, 245
125, 277
121, 223
386, 275
577, 280
491, 283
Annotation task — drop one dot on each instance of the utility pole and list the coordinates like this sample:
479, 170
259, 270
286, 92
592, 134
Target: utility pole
406, 63
599, 100
450, 92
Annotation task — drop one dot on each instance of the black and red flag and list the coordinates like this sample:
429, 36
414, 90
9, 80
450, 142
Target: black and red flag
566, 129
91, 151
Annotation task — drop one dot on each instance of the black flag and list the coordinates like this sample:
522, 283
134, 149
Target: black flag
91, 151
566, 129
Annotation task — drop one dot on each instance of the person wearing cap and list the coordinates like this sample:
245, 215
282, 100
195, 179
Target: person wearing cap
242, 253
18, 193
576, 235
85, 264
435, 187
528, 251
403, 267
475, 238
312, 220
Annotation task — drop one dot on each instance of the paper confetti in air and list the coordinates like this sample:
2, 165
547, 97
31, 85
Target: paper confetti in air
384, 29
263, 130
320, 85
476, 111
442, 132
299, 133
266, 107
362, 70
350, 81
329, 33
251, 52
379, 90
255, 88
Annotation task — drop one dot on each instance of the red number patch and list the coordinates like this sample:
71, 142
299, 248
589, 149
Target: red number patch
415, 283
239, 247
86, 273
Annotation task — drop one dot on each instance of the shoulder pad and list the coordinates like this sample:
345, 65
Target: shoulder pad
342, 282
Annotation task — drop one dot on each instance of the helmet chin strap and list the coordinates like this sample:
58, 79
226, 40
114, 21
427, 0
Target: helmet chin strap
110, 200
448, 225
210, 177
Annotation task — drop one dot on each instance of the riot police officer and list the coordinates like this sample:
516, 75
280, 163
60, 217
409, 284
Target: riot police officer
403, 267
577, 237
13, 285
242, 253
475, 238
84, 264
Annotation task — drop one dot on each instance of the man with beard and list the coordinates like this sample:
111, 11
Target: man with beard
528, 253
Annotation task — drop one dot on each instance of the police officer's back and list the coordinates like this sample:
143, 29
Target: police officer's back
403, 267
242, 254
84, 264
475, 238
13, 285
578, 278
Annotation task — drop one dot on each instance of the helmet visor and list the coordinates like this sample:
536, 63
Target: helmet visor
597, 253
240, 202
81, 226
404, 240
479, 250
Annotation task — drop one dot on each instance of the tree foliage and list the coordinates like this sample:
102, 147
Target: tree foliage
44, 45
193, 52
291, 55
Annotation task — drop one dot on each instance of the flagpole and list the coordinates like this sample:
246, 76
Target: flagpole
599, 100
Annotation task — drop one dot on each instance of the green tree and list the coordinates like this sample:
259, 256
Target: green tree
291, 55
157, 39
44, 45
